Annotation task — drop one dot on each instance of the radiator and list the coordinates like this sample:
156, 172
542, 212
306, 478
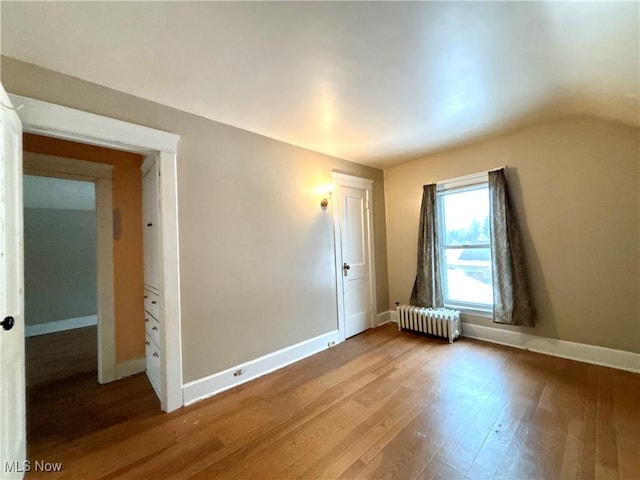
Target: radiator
441, 322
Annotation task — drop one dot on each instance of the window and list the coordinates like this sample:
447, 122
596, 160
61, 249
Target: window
465, 252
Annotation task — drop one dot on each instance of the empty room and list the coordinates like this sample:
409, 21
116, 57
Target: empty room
320, 240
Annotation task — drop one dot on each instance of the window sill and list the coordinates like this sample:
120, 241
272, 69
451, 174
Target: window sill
474, 312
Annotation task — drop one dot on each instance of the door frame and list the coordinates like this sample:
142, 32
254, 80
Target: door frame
101, 175
13, 434
65, 123
340, 180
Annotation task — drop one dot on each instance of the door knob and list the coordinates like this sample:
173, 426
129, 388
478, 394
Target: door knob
7, 323
345, 268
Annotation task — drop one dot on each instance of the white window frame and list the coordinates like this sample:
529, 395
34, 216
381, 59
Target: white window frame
447, 187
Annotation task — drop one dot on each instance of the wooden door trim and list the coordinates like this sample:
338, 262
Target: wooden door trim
343, 180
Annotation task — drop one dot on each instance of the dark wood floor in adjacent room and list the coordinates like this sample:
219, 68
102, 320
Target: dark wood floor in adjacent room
381, 405
65, 401
61, 355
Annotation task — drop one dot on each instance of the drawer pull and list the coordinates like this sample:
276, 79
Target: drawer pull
147, 342
155, 354
149, 224
154, 328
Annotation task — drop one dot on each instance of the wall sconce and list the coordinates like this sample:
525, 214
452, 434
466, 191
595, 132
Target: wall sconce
328, 192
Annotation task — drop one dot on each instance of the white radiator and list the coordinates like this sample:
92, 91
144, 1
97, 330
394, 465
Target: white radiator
442, 322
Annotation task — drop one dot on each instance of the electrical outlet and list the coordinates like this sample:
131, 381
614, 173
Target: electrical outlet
331, 344
238, 372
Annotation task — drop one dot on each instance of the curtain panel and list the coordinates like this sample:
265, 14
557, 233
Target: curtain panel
427, 289
512, 302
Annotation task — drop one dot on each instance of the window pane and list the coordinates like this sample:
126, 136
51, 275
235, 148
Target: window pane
467, 273
466, 217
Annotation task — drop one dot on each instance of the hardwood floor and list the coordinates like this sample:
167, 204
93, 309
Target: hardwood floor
381, 405
65, 402
59, 355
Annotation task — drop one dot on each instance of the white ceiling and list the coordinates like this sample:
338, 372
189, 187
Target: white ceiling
377, 83
58, 193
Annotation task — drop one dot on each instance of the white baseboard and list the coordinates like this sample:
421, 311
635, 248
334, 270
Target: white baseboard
130, 367
202, 388
60, 325
384, 317
393, 316
581, 352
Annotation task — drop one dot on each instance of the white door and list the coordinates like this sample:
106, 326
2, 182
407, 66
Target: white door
12, 379
356, 264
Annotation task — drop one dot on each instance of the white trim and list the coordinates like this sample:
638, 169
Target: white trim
106, 282
58, 167
130, 367
148, 162
70, 124
171, 336
337, 255
351, 181
343, 180
460, 182
474, 312
383, 318
581, 352
60, 325
373, 299
393, 316
219, 382
465, 180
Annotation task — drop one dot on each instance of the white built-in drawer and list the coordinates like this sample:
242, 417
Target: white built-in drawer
153, 363
152, 304
152, 328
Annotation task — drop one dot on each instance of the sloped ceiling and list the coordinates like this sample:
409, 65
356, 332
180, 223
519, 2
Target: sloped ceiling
376, 83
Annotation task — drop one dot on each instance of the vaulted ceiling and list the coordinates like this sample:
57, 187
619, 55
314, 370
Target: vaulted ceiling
373, 82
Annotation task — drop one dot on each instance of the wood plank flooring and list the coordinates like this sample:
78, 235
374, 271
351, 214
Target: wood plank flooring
383, 404
60, 355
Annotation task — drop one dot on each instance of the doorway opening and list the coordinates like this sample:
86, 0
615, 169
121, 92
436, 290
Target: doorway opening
156, 146
61, 312
101, 230
58, 122
119, 281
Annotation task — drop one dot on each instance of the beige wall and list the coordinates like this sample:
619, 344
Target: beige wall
576, 190
256, 250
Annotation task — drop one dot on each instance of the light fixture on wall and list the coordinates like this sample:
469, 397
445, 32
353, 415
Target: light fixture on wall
328, 189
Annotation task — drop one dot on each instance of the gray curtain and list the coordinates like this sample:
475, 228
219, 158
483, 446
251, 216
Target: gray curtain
427, 291
511, 297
